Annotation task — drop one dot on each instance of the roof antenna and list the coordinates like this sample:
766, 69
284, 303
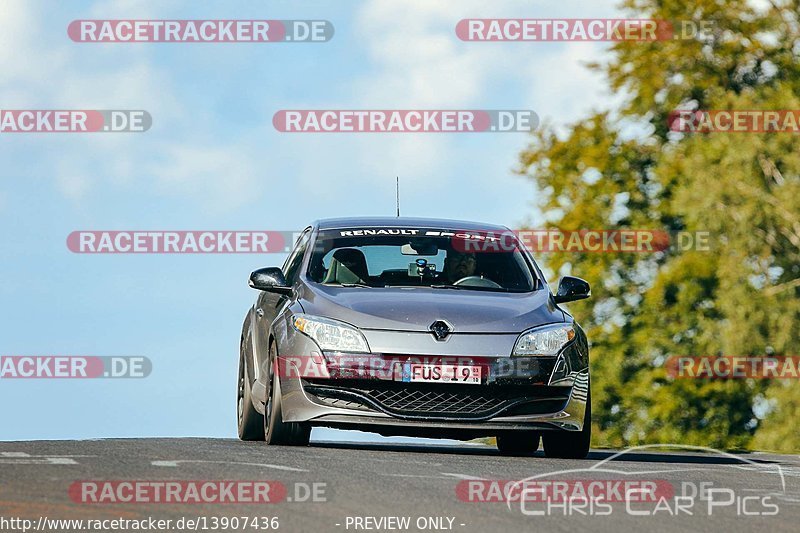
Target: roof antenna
398, 196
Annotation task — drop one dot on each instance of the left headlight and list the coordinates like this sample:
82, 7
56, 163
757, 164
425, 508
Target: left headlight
331, 334
545, 341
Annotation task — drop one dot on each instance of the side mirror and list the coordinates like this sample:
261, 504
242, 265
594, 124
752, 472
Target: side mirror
270, 279
571, 289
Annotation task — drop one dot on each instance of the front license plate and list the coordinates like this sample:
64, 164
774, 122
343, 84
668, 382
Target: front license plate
433, 373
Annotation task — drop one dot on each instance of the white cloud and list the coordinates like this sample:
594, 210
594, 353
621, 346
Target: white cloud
134, 9
414, 60
23, 56
43, 70
73, 184
417, 59
222, 178
562, 88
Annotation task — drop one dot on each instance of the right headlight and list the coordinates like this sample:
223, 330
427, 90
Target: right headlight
545, 341
331, 335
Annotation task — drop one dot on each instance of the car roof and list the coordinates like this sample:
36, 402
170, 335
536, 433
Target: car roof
405, 222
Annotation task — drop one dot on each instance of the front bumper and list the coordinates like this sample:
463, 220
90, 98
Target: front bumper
364, 392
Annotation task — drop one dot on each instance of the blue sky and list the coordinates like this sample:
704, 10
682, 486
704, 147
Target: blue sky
212, 160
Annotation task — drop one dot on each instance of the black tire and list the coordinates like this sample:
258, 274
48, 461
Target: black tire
518, 443
276, 431
570, 444
250, 422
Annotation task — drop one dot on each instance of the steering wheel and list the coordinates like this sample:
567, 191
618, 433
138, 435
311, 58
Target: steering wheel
477, 281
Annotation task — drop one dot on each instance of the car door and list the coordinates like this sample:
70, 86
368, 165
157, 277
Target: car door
269, 305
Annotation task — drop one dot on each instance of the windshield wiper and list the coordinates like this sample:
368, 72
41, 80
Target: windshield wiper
352, 285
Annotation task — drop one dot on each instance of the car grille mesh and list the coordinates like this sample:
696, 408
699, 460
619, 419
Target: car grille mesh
432, 401
428, 402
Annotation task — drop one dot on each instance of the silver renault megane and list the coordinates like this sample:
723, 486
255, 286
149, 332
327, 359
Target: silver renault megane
419, 327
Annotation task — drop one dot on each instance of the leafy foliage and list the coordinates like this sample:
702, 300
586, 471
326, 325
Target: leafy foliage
739, 298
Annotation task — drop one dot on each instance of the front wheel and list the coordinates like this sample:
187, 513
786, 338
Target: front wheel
250, 422
276, 431
570, 444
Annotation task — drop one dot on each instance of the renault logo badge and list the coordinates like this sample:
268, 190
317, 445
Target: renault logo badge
440, 330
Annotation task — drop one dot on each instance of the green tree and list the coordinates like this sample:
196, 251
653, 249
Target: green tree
624, 168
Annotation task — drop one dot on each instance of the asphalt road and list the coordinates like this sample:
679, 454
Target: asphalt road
365, 483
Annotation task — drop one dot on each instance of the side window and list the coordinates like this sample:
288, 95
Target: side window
292, 265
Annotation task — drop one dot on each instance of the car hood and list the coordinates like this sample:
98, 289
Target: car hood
416, 308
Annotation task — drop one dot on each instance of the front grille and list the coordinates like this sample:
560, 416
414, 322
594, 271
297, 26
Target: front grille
432, 401
429, 400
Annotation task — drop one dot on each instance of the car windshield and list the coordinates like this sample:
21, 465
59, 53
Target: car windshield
413, 257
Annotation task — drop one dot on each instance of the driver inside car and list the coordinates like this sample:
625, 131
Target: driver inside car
458, 265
